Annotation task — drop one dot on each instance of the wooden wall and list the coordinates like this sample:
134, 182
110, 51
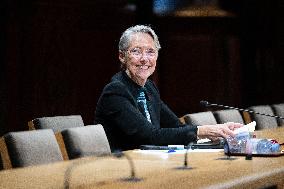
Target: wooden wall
200, 61
56, 56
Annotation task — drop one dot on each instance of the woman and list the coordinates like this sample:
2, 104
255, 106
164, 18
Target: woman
130, 108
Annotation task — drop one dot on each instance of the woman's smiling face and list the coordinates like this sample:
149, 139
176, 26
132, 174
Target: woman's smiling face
140, 58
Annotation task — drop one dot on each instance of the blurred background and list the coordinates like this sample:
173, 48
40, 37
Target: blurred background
57, 55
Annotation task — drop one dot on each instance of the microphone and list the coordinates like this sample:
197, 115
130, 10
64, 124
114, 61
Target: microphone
207, 104
185, 164
227, 149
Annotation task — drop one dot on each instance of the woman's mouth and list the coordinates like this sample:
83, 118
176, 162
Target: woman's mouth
143, 67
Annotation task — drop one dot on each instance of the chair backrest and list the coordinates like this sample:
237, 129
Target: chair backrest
223, 116
6, 162
200, 118
86, 141
57, 123
279, 110
35, 147
263, 122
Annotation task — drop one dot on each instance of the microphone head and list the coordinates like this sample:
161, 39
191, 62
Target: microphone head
118, 154
204, 103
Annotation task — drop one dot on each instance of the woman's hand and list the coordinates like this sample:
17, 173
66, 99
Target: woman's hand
218, 130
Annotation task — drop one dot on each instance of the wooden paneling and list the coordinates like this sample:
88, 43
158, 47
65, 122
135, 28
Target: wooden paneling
56, 56
59, 56
199, 61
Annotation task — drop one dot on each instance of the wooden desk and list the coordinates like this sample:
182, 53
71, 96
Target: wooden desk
158, 170
274, 133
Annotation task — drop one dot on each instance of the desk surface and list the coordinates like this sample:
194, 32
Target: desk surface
157, 170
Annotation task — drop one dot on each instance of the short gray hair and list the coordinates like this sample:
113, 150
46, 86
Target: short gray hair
125, 37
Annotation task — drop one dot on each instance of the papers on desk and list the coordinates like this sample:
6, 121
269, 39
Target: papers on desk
250, 127
165, 154
177, 151
203, 145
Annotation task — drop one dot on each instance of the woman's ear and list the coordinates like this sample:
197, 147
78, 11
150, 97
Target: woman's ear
121, 57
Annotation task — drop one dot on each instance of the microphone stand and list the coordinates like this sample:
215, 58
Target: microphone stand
132, 177
228, 148
77, 163
185, 164
228, 153
70, 168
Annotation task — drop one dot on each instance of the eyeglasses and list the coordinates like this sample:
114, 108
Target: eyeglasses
138, 53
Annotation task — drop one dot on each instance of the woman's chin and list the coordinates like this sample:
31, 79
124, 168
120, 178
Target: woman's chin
144, 76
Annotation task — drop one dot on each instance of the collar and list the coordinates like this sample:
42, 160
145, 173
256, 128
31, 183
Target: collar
134, 87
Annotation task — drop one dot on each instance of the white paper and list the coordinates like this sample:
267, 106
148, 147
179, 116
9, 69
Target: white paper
246, 128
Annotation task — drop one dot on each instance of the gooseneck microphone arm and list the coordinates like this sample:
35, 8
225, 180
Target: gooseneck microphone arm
207, 104
132, 178
185, 162
117, 154
120, 154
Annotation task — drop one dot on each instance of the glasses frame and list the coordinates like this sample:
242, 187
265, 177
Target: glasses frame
138, 53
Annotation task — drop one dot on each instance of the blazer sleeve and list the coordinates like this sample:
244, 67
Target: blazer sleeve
169, 118
119, 107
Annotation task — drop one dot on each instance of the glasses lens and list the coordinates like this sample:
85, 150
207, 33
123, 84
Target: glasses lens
137, 52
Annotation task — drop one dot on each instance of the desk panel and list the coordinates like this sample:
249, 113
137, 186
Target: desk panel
157, 170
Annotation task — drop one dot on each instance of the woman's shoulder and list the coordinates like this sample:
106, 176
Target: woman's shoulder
115, 85
116, 82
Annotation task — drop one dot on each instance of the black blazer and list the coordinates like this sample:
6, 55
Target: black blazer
125, 123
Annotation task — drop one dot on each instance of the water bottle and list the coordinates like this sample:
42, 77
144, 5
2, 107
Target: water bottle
249, 149
265, 146
238, 143
254, 142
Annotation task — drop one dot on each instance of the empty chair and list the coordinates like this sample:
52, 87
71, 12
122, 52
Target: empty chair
200, 118
57, 123
279, 110
86, 141
223, 116
263, 122
35, 147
